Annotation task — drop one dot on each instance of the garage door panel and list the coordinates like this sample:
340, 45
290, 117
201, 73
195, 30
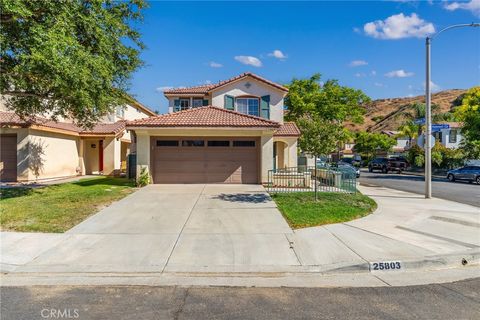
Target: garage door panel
8, 158
205, 164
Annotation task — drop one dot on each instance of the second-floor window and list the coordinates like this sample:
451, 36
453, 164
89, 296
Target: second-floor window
248, 106
197, 103
184, 104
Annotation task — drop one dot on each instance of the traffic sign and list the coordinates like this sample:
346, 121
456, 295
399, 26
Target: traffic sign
421, 142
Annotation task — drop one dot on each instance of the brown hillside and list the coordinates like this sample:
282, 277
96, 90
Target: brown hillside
386, 114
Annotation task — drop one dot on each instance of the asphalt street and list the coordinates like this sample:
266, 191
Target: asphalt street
459, 300
463, 192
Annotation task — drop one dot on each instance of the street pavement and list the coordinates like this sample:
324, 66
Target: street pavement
458, 300
458, 191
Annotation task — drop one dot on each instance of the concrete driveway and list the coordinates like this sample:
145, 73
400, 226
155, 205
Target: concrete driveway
174, 228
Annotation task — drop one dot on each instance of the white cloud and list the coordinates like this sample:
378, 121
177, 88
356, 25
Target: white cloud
249, 60
164, 88
360, 75
433, 86
472, 5
398, 74
358, 63
214, 64
278, 54
399, 26
373, 73
357, 30
378, 84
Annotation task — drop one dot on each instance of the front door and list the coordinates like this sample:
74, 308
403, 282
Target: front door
100, 156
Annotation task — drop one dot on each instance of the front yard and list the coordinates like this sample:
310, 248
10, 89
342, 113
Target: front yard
301, 210
58, 208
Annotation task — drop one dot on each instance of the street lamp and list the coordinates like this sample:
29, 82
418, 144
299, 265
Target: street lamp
428, 111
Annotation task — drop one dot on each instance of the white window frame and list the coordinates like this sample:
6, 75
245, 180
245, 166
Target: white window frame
184, 100
248, 111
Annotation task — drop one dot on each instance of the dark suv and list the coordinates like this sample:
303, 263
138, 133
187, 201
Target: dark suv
385, 165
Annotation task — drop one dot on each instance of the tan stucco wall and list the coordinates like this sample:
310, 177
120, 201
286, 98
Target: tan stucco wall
143, 152
289, 153
111, 156
45, 155
257, 89
91, 156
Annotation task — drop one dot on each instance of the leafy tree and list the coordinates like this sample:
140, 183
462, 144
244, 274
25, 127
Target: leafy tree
369, 143
329, 101
469, 114
320, 111
318, 137
68, 58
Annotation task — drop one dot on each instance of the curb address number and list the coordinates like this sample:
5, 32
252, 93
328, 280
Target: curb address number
384, 266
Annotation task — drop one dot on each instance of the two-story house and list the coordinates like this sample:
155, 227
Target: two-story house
39, 148
229, 132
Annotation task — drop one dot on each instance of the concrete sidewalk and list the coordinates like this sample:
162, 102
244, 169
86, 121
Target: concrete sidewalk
221, 236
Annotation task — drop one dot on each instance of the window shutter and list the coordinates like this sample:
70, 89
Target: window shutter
265, 107
176, 105
229, 102
205, 102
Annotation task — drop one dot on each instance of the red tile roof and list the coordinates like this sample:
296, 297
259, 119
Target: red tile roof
288, 129
204, 89
11, 119
208, 116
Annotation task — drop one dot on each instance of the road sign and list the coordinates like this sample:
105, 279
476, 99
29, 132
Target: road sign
421, 142
420, 121
438, 127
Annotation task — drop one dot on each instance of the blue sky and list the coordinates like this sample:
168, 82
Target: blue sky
374, 46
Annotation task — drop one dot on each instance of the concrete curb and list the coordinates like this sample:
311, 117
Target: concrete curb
450, 267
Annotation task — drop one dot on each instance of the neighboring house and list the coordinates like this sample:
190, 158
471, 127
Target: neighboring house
403, 143
229, 132
450, 137
39, 148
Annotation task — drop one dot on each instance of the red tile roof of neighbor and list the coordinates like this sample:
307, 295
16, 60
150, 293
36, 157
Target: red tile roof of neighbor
288, 129
208, 116
204, 89
11, 119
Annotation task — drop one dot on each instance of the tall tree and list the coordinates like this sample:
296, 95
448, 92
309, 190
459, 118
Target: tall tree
329, 100
320, 111
68, 58
469, 114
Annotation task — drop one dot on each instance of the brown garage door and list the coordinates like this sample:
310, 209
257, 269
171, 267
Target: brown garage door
8, 157
205, 160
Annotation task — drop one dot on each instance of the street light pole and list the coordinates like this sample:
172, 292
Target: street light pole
428, 109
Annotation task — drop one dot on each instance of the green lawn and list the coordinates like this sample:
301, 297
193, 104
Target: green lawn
301, 210
57, 208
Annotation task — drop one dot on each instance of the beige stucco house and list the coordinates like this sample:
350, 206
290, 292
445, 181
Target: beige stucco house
44, 149
229, 132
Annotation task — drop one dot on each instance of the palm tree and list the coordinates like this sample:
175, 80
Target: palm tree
409, 129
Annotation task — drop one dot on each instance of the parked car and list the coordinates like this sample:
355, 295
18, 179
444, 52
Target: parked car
385, 165
468, 173
352, 161
346, 166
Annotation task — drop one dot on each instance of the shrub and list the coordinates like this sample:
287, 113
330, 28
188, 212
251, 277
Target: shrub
144, 178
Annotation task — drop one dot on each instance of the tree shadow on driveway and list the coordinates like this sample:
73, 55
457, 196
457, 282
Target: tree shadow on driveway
244, 197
